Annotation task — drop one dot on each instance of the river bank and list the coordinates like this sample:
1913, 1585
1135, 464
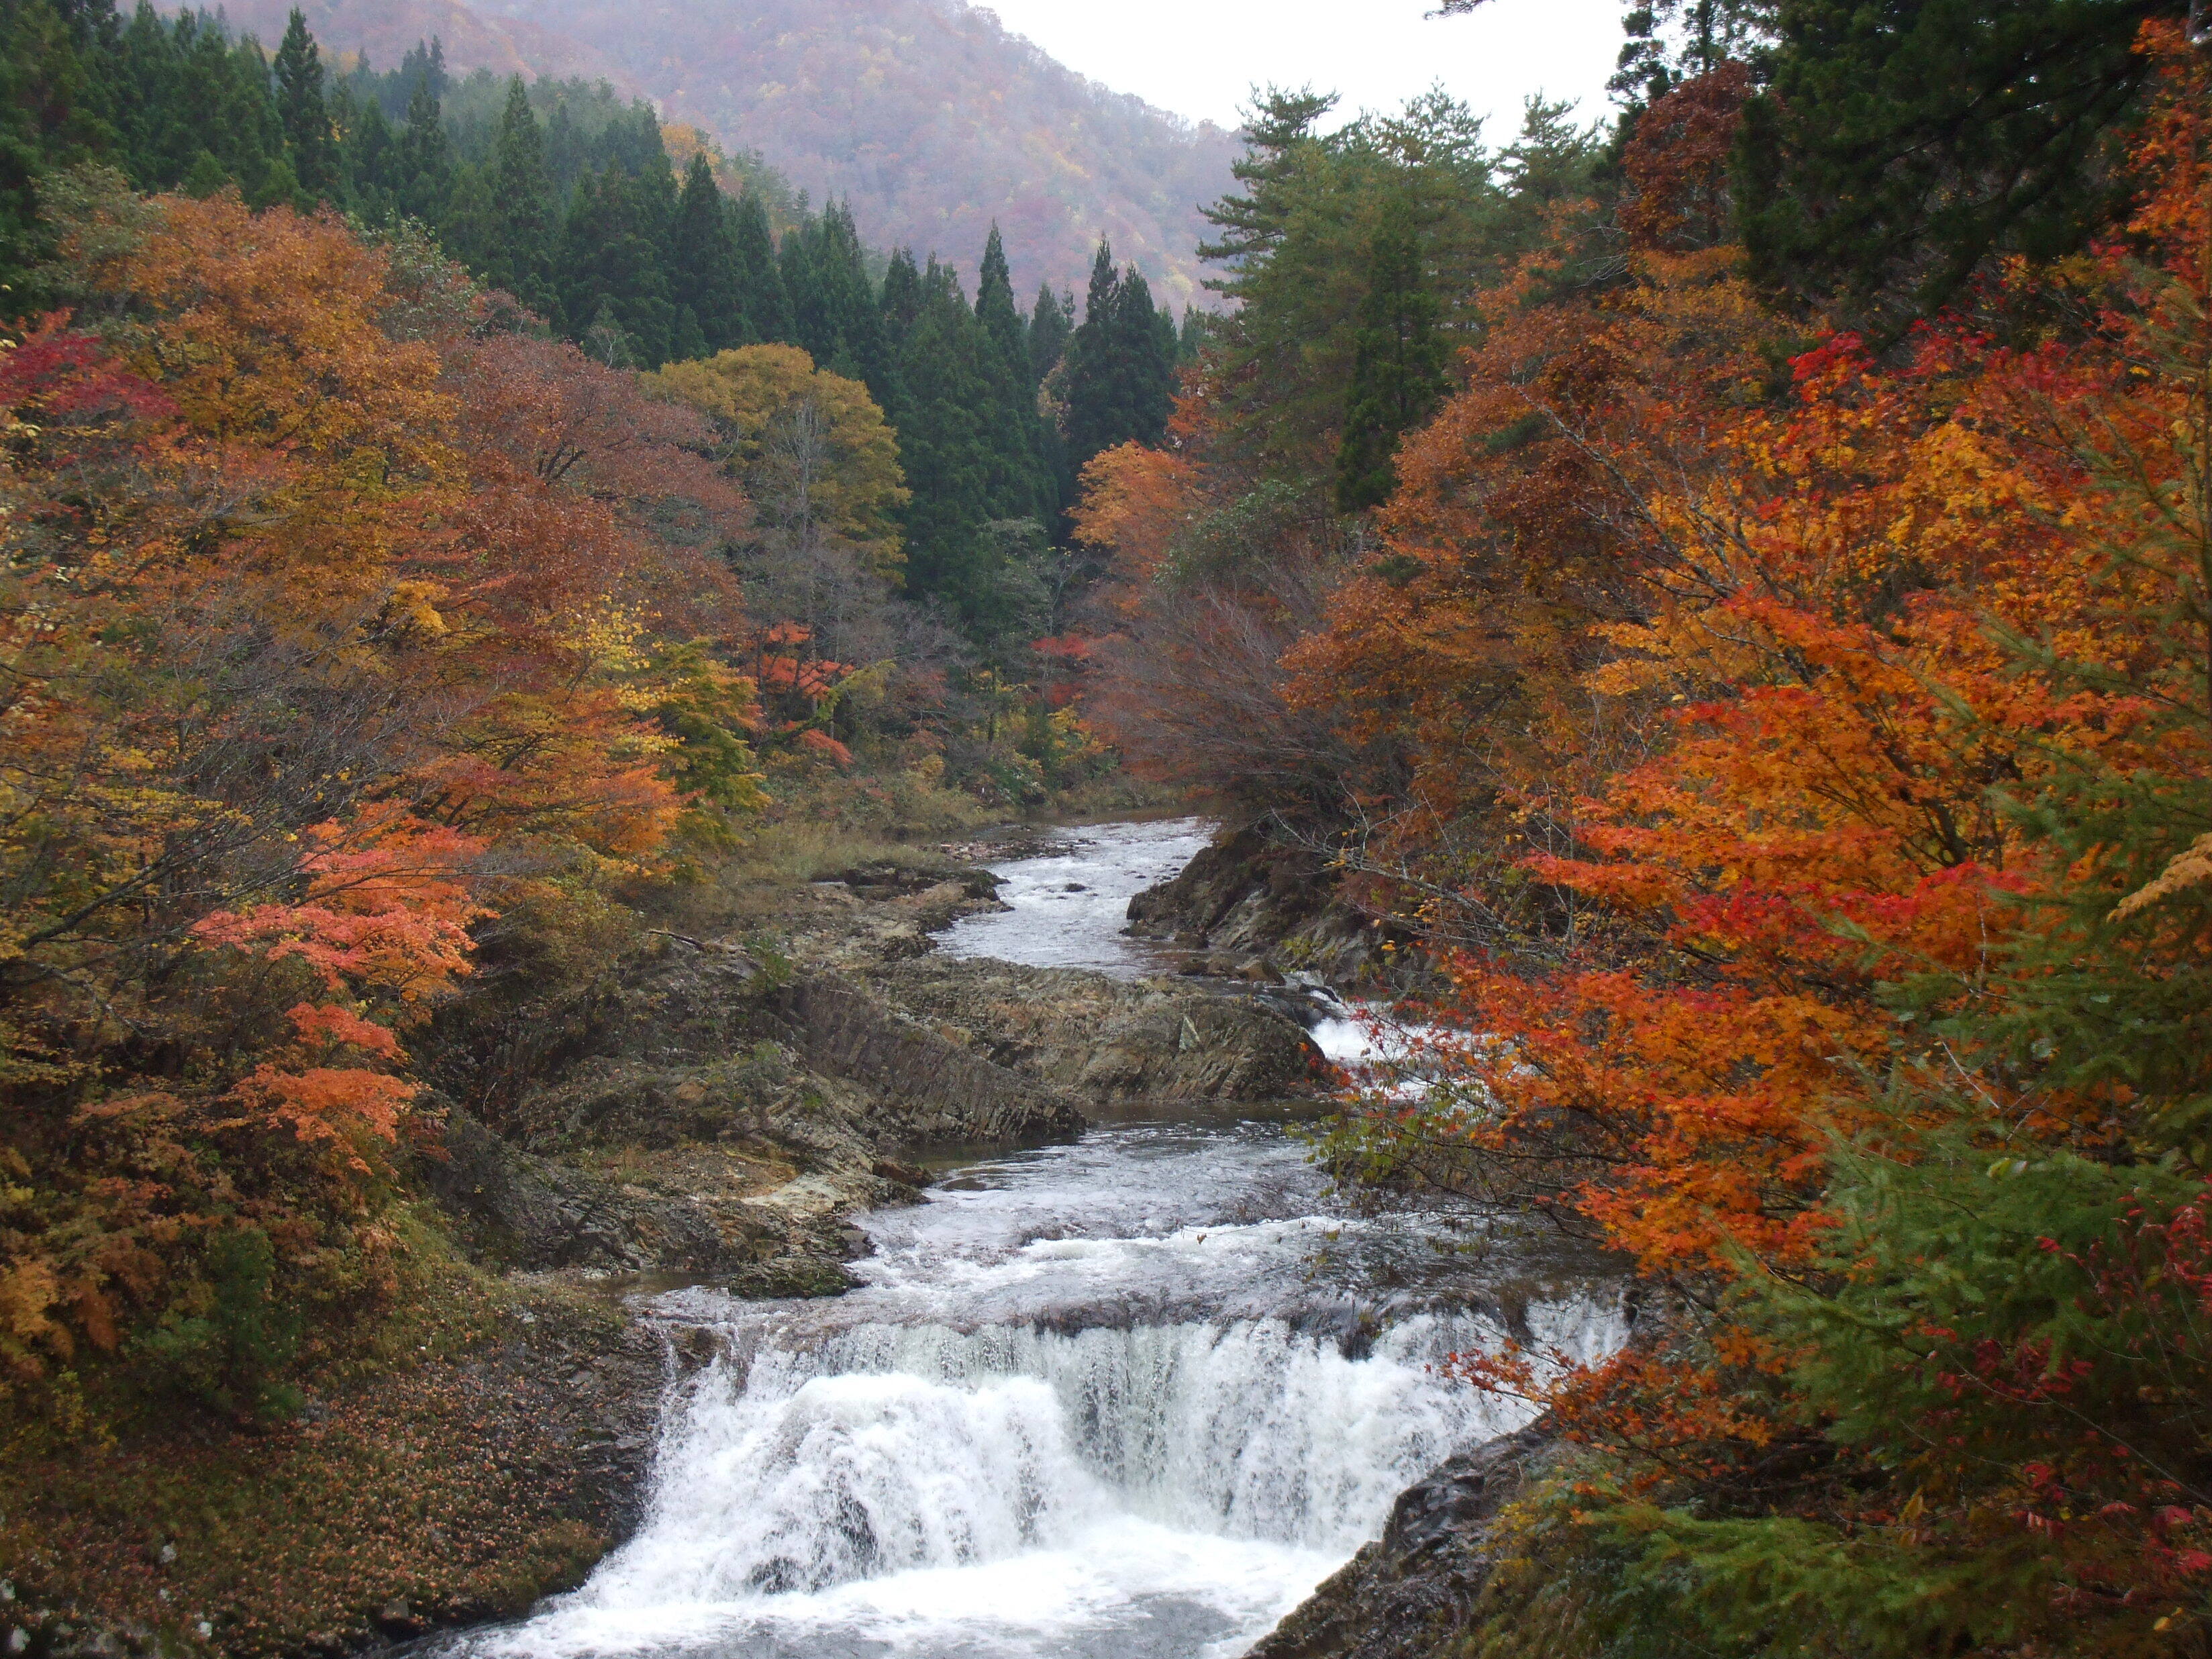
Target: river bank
714, 1108
756, 1116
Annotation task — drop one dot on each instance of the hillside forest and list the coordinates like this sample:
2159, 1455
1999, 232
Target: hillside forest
930, 117
1727, 592
1726, 588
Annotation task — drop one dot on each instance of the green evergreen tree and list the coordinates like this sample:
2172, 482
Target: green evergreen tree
519, 254
368, 154
952, 447
1029, 479
994, 304
304, 111
1052, 320
836, 307
810, 328
1294, 246
47, 117
265, 170
610, 267
901, 300
1191, 338
764, 305
1900, 147
425, 66
1052, 325
703, 264
567, 152
423, 164
1121, 364
1398, 369
1670, 41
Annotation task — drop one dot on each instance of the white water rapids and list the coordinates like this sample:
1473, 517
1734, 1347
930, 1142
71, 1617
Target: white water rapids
1131, 1398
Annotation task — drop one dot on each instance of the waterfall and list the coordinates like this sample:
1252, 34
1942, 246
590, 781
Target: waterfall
1129, 1399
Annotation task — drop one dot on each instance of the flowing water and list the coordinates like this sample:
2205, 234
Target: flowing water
1067, 910
1131, 1398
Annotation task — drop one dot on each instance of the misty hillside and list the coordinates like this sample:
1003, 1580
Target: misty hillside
927, 114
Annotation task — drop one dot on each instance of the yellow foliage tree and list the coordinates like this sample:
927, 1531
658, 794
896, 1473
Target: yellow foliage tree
813, 450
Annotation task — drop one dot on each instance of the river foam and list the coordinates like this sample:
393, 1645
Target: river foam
1130, 1398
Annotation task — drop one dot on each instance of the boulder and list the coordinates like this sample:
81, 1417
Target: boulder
1410, 1594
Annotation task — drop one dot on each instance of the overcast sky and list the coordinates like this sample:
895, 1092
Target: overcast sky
1201, 57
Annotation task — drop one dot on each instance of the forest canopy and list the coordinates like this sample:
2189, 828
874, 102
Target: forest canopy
1727, 592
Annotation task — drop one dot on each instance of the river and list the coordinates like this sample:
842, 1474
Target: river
1131, 1398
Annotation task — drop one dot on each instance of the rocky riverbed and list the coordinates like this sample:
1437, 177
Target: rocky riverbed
750, 1118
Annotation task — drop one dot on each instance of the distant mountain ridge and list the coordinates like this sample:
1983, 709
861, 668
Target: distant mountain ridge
929, 115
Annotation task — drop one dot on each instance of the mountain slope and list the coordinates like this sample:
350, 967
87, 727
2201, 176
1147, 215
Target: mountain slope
386, 29
927, 115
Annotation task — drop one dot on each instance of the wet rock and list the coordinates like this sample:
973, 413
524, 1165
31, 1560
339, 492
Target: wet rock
1250, 899
1409, 1594
1105, 1038
522, 1210
932, 1088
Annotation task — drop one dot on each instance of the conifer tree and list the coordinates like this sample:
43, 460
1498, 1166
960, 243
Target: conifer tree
1052, 325
304, 111
812, 330
519, 255
610, 267
368, 155
846, 311
901, 300
426, 65
953, 447
424, 163
1121, 364
1021, 439
995, 303
1051, 321
1900, 147
765, 305
703, 264
1398, 367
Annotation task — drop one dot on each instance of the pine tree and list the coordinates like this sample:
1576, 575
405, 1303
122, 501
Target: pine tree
1052, 325
811, 330
1121, 364
368, 155
567, 152
305, 113
952, 446
901, 300
704, 270
424, 163
851, 310
426, 65
1051, 322
1021, 441
610, 267
520, 254
1900, 147
765, 305
1398, 368
994, 304
1670, 41
252, 128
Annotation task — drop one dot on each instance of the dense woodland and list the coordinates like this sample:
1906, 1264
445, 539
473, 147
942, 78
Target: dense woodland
1732, 589
1727, 587
933, 118
571, 204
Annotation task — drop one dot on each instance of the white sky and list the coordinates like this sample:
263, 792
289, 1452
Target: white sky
1201, 57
